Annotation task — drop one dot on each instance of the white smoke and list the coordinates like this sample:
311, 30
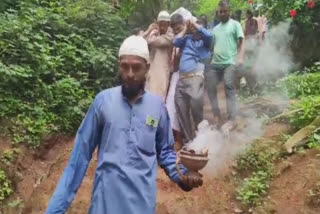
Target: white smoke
222, 149
273, 57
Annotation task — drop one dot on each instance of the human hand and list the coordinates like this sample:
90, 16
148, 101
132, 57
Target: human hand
192, 179
153, 26
240, 61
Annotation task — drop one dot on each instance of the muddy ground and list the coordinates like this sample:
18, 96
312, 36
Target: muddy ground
36, 175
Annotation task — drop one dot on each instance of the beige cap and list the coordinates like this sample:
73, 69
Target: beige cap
136, 46
164, 16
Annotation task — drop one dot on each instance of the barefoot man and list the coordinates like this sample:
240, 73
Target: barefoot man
228, 37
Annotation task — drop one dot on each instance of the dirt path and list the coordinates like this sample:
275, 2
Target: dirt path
214, 196
289, 192
39, 174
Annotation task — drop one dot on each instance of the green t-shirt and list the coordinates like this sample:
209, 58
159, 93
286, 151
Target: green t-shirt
225, 41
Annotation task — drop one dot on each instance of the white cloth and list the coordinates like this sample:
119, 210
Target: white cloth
136, 46
163, 16
170, 102
186, 14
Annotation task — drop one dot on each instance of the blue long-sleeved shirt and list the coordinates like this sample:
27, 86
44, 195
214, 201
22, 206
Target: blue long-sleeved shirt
193, 50
129, 148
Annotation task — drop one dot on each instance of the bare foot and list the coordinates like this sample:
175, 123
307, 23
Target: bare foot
228, 127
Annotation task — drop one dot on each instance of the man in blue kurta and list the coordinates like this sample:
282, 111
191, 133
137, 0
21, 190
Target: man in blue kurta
131, 129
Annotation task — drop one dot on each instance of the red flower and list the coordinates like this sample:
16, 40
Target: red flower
293, 13
311, 4
250, 2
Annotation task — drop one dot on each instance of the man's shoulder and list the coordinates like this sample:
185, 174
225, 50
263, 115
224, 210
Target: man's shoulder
234, 22
107, 93
152, 97
218, 26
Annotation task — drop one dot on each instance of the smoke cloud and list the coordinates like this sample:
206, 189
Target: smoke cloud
271, 60
223, 148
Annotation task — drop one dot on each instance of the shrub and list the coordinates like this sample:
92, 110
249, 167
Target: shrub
54, 56
5, 186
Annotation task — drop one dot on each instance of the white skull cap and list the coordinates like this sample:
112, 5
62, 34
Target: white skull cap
164, 16
136, 46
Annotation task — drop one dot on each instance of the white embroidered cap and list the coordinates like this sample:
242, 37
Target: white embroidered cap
136, 46
164, 16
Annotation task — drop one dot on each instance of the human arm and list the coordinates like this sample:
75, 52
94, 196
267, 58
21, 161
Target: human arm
180, 42
167, 156
206, 35
87, 138
240, 43
151, 27
180, 38
161, 41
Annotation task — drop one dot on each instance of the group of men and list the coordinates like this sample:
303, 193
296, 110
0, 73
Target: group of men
200, 59
130, 126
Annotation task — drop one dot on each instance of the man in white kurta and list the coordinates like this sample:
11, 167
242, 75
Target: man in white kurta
159, 37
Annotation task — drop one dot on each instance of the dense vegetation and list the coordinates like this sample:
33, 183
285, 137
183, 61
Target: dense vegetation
305, 26
256, 164
54, 56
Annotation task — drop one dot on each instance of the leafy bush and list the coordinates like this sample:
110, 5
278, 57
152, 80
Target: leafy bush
314, 141
258, 160
253, 187
54, 56
259, 156
297, 86
5, 186
304, 28
305, 87
309, 109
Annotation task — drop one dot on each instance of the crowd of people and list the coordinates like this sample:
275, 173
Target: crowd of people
190, 56
176, 59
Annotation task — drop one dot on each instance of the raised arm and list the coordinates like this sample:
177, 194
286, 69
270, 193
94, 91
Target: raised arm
180, 39
87, 138
205, 34
151, 27
161, 41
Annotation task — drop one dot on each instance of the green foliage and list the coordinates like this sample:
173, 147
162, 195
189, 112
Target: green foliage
314, 141
297, 85
16, 203
259, 156
257, 159
54, 56
304, 87
207, 7
7, 4
239, 5
304, 28
253, 188
9, 155
309, 110
5, 186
